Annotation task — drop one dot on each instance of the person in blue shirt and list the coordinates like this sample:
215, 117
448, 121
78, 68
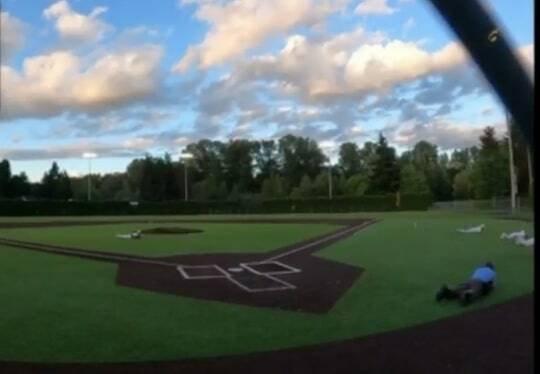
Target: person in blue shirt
481, 283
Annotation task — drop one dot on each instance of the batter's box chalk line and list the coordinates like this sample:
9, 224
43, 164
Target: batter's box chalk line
255, 267
214, 271
262, 271
185, 270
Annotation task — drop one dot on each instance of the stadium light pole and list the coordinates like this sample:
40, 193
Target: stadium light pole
89, 156
186, 157
327, 148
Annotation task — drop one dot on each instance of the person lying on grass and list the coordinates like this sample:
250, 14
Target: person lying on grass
132, 235
472, 230
481, 283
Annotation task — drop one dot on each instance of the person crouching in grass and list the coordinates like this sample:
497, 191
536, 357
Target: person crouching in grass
481, 283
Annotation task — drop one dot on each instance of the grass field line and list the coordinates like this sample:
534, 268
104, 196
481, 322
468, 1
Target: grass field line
142, 260
82, 253
320, 241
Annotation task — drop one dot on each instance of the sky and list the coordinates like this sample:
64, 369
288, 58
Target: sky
124, 78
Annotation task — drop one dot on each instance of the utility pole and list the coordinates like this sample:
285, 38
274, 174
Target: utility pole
530, 167
513, 181
89, 156
89, 179
185, 182
330, 180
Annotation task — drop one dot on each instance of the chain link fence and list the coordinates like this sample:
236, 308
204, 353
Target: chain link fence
524, 206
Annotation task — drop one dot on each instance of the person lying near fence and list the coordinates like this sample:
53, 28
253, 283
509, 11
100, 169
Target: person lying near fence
525, 241
472, 230
481, 283
520, 238
513, 235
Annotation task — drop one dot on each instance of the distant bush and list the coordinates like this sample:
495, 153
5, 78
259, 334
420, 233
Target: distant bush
339, 204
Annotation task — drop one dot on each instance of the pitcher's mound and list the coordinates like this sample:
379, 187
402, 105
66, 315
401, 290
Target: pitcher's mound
170, 230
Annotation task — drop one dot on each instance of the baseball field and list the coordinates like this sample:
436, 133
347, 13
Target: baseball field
196, 291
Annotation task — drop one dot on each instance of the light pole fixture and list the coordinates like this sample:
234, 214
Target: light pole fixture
186, 156
89, 156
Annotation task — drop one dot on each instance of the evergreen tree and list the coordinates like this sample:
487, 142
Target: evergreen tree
235, 194
305, 189
350, 160
321, 184
210, 189
207, 160
56, 184
385, 169
368, 155
266, 158
5, 179
459, 161
238, 164
299, 156
462, 187
490, 173
272, 187
413, 181
356, 185
426, 160
19, 185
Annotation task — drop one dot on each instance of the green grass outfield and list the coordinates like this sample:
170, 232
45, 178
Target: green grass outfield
215, 238
61, 309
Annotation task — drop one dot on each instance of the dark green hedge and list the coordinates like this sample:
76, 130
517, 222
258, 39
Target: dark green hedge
415, 202
340, 204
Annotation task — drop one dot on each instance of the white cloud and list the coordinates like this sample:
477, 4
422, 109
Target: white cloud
181, 141
328, 146
339, 68
12, 35
120, 122
381, 66
239, 25
135, 147
76, 26
446, 135
61, 81
374, 7
138, 143
318, 86
74, 173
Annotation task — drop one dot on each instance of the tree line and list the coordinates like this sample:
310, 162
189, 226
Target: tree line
295, 167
